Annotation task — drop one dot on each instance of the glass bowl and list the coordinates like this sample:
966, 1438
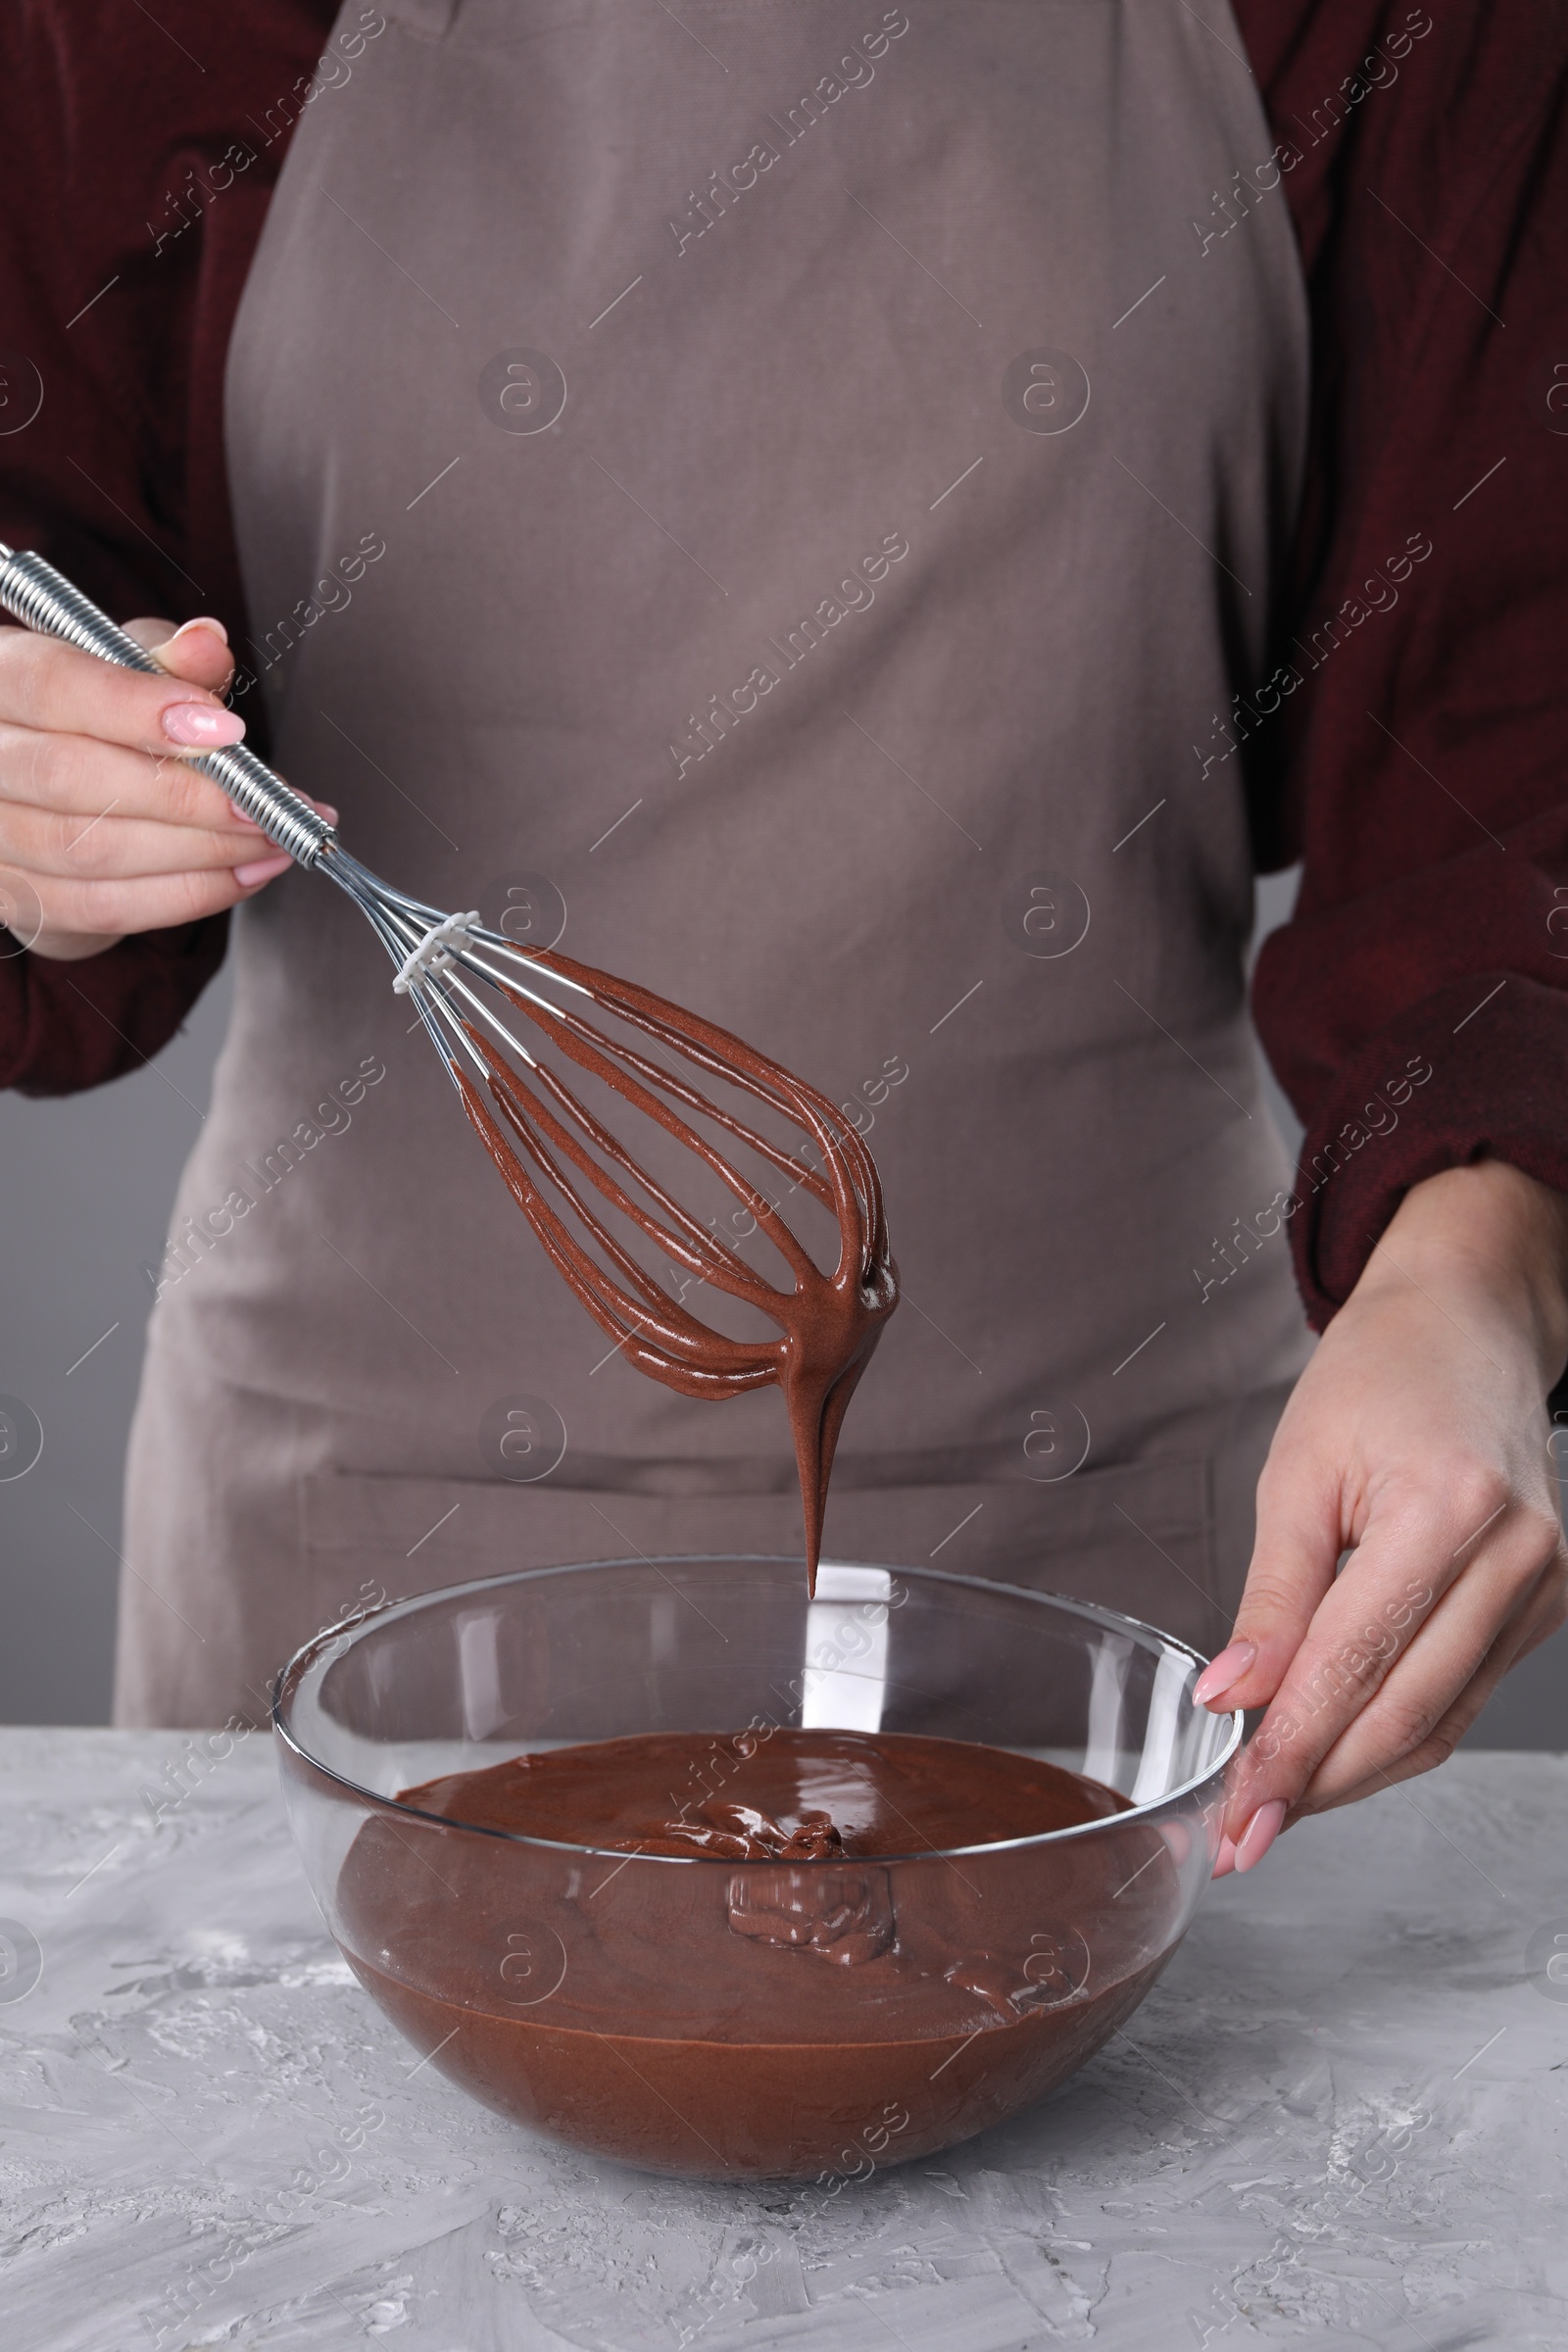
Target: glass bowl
728, 2020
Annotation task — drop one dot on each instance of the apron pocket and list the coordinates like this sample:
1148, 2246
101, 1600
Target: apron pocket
1135, 1536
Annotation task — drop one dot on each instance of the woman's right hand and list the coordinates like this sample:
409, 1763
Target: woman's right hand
105, 827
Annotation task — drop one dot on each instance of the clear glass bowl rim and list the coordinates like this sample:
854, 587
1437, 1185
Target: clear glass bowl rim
1111, 1620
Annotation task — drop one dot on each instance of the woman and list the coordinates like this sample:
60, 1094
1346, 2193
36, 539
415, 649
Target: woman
881, 519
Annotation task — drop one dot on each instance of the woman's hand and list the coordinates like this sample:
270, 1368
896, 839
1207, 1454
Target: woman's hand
1418, 1436
105, 828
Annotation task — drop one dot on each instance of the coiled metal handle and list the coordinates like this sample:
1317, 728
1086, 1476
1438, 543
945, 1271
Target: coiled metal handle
44, 600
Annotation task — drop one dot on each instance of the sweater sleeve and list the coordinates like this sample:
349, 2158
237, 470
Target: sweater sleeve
141, 151
1408, 747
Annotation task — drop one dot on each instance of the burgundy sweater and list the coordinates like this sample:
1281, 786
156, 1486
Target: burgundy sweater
1406, 746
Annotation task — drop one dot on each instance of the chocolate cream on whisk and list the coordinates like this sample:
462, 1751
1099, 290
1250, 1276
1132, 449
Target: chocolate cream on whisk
549, 1147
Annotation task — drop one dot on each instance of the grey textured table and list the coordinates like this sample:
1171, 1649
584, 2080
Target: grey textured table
1341, 2119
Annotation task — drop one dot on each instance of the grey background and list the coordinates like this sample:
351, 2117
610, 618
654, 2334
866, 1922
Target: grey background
88, 1182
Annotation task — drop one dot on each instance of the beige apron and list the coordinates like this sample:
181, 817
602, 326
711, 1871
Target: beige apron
779, 488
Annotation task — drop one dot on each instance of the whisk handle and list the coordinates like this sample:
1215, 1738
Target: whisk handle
44, 600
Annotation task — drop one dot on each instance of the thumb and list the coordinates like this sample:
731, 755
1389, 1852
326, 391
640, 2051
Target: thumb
197, 650
1293, 1561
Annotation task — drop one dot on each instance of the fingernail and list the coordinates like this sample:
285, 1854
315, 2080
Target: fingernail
1225, 1859
203, 621
327, 809
263, 870
208, 724
1260, 1834
1222, 1672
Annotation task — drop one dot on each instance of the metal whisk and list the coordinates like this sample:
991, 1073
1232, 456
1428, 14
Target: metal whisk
547, 1144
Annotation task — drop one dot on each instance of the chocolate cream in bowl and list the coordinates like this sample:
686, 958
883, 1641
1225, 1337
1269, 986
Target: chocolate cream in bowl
788, 1952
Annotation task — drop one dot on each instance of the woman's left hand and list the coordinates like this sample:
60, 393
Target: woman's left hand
1417, 1439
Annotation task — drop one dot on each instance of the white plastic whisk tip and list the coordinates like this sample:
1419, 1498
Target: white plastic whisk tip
436, 951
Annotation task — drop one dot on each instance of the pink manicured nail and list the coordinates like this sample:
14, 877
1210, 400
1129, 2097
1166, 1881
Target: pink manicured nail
208, 724
1260, 1834
200, 620
1225, 1859
263, 870
1220, 1672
